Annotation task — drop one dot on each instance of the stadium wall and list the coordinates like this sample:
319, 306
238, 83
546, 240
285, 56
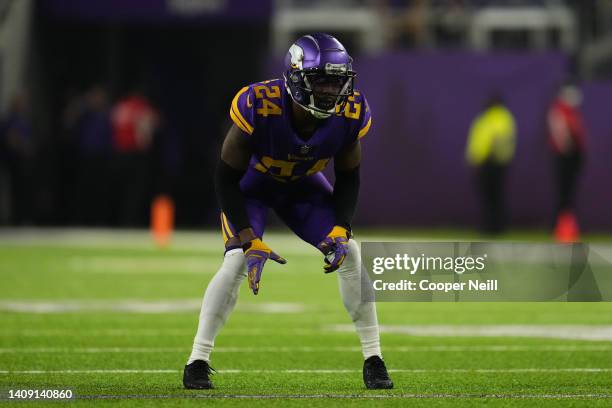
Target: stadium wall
414, 172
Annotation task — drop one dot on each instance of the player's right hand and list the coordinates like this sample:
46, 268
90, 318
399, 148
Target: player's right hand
257, 253
335, 248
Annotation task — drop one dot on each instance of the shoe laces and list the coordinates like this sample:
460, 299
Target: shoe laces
204, 365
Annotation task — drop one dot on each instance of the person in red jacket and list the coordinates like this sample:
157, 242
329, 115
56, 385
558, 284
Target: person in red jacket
134, 123
567, 137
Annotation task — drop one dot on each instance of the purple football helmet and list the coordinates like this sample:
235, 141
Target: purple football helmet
319, 74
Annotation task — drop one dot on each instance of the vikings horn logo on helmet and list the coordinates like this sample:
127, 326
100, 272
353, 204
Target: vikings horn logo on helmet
297, 56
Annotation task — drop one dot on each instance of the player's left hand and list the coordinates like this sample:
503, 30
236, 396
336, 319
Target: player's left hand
257, 253
335, 248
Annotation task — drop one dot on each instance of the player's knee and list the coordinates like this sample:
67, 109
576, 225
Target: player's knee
352, 262
353, 250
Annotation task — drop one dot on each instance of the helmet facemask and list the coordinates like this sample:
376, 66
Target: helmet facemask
321, 92
328, 90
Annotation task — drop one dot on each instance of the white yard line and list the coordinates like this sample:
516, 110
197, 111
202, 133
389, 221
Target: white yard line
307, 349
348, 396
144, 265
156, 332
138, 306
567, 332
561, 332
152, 332
320, 371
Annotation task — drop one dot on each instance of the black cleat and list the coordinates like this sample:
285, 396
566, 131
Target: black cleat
195, 376
375, 374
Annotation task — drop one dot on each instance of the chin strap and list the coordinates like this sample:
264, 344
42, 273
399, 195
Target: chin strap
318, 115
315, 113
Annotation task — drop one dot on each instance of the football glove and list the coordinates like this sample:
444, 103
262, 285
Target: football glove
257, 253
335, 248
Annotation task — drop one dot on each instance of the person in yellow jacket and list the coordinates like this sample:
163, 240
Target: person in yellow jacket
490, 149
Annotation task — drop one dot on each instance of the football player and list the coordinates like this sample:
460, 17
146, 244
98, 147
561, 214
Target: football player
285, 132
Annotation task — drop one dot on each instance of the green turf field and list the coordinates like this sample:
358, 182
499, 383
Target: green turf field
111, 317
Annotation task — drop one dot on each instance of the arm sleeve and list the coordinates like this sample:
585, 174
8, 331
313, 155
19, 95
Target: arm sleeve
365, 121
346, 191
231, 200
242, 110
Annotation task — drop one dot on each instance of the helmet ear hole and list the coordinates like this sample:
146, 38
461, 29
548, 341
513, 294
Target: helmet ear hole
295, 77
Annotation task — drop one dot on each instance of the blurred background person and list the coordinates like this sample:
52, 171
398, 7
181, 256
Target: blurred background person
18, 154
408, 24
490, 149
414, 24
88, 122
134, 125
567, 137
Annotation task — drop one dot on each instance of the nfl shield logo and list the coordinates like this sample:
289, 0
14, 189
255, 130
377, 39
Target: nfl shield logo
305, 149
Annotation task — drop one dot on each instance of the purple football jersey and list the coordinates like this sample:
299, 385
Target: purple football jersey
263, 112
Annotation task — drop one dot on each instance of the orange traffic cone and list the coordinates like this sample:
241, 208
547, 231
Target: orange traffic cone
567, 229
162, 219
